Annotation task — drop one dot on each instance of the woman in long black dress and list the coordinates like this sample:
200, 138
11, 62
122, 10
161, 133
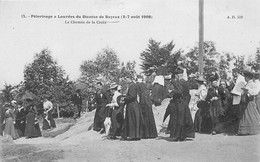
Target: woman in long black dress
101, 99
181, 124
216, 109
32, 128
145, 104
133, 124
20, 121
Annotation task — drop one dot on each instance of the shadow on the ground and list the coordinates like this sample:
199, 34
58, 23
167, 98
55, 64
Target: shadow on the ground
171, 139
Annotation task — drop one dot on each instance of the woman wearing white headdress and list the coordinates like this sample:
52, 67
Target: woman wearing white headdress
159, 91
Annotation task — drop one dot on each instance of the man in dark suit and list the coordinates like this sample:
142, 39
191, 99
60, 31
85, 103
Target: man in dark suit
77, 102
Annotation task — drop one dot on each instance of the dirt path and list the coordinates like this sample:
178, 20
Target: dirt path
97, 149
81, 144
203, 148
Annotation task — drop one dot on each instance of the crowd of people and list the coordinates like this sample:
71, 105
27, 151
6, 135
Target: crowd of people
230, 107
21, 118
222, 106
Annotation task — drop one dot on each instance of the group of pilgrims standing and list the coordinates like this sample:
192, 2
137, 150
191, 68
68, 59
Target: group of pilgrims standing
222, 106
231, 107
128, 115
21, 119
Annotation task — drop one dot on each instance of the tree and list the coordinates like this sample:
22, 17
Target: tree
155, 55
254, 61
106, 67
45, 76
211, 59
10, 91
224, 65
239, 65
7, 93
126, 70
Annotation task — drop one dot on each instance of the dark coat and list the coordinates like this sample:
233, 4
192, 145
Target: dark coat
32, 128
77, 99
20, 121
180, 124
133, 124
101, 99
216, 108
145, 104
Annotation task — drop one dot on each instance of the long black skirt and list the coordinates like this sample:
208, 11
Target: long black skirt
150, 130
32, 128
117, 120
99, 118
133, 123
181, 121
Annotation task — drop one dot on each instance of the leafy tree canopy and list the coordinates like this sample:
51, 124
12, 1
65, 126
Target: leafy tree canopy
45, 77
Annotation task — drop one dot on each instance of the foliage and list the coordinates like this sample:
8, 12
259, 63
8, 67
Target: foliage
7, 93
45, 77
10, 91
254, 61
156, 55
211, 59
239, 65
106, 67
224, 65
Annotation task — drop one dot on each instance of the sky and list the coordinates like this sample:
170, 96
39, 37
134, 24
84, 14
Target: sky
71, 44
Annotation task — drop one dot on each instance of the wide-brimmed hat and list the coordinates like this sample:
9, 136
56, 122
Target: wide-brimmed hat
113, 86
200, 79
